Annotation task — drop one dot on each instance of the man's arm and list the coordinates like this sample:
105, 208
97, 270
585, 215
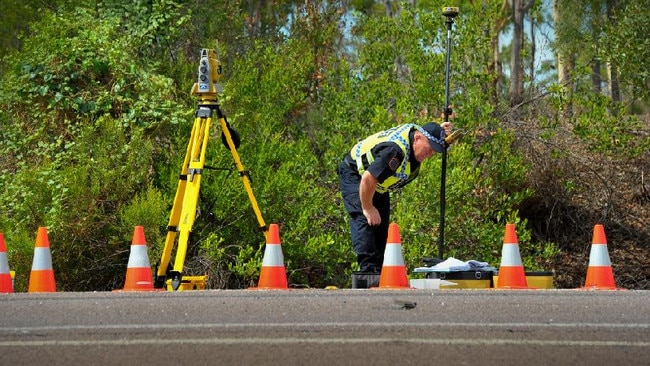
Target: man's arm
367, 189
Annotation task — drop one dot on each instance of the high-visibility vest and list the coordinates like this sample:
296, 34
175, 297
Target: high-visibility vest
362, 154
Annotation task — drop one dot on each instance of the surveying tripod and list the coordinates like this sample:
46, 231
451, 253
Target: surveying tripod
183, 211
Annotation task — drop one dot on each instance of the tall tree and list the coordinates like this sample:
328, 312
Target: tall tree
612, 68
519, 10
563, 57
495, 68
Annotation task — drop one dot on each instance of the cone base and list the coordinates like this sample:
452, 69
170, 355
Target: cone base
138, 279
393, 277
272, 278
42, 281
6, 285
512, 278
600, 277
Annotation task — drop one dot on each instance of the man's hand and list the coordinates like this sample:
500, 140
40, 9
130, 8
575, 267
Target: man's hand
447, 127
372, 215
367, 189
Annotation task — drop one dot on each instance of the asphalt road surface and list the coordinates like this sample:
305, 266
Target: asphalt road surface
327, 327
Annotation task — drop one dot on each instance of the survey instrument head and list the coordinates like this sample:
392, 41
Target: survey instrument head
450, 11
209, 73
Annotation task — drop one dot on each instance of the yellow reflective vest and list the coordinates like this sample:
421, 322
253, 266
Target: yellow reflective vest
362, 154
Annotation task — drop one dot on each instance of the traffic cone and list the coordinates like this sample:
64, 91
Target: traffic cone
599, 273
273, 275
41, 278
6, 286
511, 271
138, 271
393, 270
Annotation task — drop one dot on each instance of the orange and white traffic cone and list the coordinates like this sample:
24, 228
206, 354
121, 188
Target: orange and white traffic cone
6, 285
511, 272
41, 278
273, 275
393, 270
599, 273
138, 271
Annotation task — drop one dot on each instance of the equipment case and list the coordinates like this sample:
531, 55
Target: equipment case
464, 279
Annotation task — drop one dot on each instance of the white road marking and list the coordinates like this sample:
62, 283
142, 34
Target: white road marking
326, 324
285, 341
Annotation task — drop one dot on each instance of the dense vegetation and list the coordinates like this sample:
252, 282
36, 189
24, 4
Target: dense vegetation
96, 117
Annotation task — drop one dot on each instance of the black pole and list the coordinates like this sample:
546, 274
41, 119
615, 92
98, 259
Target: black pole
450, 13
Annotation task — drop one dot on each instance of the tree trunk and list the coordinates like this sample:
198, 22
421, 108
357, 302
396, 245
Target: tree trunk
565, 61
611, 66
519, 10
494, 68
596, 29
402, 70
532, 49
596, 80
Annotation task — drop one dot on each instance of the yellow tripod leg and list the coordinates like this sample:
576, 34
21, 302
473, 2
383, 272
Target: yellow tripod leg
184, 210
242, 173
192, 188
174, 218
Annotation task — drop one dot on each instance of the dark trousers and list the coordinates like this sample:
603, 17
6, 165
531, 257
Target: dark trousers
368, 242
